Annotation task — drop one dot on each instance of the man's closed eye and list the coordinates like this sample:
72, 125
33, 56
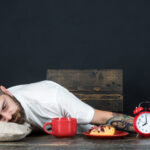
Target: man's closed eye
4, 106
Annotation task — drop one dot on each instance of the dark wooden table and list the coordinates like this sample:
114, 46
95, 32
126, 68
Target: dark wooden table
78, 142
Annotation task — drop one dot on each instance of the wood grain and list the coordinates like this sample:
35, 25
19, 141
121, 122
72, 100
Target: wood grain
107, 97
102, 89
109, 80
78, 142
113, 105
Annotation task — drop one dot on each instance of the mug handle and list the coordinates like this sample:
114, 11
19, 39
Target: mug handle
44, 127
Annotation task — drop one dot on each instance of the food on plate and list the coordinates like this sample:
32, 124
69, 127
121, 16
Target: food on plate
102, 130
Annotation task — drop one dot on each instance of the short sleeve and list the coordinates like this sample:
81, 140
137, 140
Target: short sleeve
71, 106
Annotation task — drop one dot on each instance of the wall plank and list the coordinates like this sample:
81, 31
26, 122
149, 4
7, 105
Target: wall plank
102, 89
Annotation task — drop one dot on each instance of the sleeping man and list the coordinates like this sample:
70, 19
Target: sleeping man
39, 102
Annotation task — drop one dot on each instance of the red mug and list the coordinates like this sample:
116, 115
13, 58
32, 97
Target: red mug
62, 127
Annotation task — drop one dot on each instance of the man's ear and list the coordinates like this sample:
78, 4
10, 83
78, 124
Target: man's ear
5, 90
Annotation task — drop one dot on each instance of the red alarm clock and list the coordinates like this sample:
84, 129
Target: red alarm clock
141, 121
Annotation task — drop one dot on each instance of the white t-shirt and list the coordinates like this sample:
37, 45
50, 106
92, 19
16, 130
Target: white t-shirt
45, 100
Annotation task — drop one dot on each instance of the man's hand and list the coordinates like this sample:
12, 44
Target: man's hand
119, 121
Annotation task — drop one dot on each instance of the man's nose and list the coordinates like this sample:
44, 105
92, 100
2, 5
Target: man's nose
6, 117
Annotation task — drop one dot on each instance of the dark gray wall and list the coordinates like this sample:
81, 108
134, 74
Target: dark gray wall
85, 34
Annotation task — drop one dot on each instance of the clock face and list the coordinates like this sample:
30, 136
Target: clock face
143, 123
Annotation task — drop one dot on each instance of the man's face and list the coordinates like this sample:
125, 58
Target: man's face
10, 110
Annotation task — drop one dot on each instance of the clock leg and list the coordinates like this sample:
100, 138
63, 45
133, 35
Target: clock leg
137, 135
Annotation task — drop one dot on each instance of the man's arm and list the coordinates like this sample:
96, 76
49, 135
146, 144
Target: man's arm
119, 121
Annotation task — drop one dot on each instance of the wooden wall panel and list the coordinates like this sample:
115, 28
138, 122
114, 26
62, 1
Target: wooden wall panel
102, 89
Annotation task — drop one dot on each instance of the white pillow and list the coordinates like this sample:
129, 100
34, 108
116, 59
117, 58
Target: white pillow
12, 131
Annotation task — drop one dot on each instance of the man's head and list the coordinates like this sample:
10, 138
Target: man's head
10, 109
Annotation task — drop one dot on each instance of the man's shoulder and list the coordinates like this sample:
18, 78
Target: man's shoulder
44, 82
36, 86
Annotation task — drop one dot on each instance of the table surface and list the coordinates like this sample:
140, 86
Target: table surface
78, 142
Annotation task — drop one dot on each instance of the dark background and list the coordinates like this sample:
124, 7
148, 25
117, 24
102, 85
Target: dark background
86, 34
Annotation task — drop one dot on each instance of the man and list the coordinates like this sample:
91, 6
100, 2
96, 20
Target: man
37, 103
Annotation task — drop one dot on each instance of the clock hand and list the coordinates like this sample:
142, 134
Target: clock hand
146, 120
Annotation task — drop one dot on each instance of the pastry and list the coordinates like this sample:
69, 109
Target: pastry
102, 130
